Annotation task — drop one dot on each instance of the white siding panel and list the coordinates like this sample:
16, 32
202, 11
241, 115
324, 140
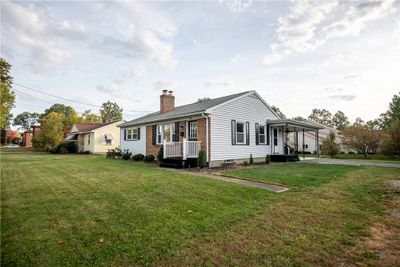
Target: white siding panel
135, 146
249, 108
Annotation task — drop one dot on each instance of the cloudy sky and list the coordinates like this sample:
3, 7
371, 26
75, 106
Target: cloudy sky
297, 55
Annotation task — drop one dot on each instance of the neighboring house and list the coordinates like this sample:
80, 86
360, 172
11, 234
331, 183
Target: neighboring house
310, 142
27, 138
228, 128
95, 137
36, 128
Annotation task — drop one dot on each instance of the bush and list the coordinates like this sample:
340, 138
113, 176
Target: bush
126, 154
71, 146
138, 157
267, 159
160, 155
245, 163
251, 160
86, 152
149, 158
351, 153
201, 159
117, 152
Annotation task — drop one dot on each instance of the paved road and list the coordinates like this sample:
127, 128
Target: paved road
269, 187
351, 162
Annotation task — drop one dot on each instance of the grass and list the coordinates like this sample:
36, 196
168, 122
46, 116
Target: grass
370, 157
77, 210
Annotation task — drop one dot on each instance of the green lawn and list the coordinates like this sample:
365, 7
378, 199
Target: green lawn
74, 210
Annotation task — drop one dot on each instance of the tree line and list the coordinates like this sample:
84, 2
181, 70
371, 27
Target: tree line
56, 121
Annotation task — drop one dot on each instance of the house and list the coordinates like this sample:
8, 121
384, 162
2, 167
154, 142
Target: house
310, 141
228, 129
95, 137
27, 138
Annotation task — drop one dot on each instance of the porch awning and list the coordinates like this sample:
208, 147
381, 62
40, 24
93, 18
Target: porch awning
108, 136
71, 137
294, 126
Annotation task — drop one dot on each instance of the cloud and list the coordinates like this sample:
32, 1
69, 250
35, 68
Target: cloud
302, 30
106, 89
217, 84
357, 16
238, 6
40, 34
343, 97
237, 58
163, 85
330, 89
350, 77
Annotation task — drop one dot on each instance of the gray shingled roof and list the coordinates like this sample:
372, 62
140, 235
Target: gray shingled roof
181, 111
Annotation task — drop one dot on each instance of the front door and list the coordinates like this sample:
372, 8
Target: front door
275, 141
193, 131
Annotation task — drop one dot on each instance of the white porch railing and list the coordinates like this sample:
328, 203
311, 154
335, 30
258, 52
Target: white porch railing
173, 149
191, 149
184, 149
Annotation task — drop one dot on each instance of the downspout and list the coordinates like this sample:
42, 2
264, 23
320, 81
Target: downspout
206, 117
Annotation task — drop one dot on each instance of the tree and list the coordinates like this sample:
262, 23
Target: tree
299, 118
89, 117
391, 140
392, 114
340, 120
26, 119
321, 116
278, 112
70, 115
330, 146
52, 130
110, 112
203, 99
362, 137
7, 97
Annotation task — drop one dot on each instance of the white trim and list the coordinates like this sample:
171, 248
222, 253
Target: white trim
244, 133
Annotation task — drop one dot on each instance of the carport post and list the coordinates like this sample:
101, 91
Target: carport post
317, 135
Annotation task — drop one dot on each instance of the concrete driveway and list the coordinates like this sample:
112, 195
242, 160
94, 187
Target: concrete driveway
352, 162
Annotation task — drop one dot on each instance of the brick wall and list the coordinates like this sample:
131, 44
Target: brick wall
27, 139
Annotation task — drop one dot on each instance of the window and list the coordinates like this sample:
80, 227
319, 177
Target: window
160, 130
193, 130
166, 132
240, 133
132, 134
108, 141
261, 136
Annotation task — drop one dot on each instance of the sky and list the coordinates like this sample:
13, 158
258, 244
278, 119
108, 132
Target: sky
298, 55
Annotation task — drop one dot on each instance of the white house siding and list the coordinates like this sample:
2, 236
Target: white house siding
134, 146
245, 109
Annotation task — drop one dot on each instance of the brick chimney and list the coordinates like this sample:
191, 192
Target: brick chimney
167, 101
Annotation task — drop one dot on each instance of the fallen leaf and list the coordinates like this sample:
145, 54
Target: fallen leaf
189, 211
101, 240
61, 242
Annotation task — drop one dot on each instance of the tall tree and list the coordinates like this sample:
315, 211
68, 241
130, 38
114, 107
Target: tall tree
362, 137
392, 114
391, 141
52, 130
70, 115
26, 119
278, 112
110, 112
330, 146
321, 116
340, 120
299, 118
90, 117
7, 97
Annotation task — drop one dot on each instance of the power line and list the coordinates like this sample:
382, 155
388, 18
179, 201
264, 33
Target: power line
78, 102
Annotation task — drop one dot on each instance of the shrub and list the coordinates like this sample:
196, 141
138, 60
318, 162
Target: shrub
160, 154
149, 158
245, 163
267, 159
138, 157
86, 152
109, 153
201, 159
351, 153
126, 154
117, 152
251, 160
71, 146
